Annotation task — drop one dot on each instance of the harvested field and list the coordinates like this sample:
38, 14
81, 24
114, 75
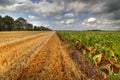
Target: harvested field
35, 56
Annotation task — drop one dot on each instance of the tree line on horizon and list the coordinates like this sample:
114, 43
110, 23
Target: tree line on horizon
7, 23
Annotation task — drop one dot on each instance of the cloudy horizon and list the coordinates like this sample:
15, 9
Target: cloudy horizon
66, 14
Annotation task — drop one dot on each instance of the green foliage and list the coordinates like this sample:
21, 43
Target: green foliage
110, 53
102, 41
41, 28
117, 76
85, 54
7, 23
117, 50
105, 45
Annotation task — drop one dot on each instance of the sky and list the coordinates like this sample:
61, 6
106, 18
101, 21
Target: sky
66, 14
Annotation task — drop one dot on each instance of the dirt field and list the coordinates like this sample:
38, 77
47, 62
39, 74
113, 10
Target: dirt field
35, 56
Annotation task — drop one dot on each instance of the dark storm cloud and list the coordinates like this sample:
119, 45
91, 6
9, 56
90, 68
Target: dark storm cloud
116, 15
113, 6
110, 8
85, 1
6, 2
36, 1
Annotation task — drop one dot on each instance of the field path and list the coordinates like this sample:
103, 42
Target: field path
39, 57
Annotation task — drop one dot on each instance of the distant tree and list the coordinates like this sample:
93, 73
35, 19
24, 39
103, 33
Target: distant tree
1, 23
22, 20
45, 29
21, 23
8, 23
36, 28
29, 26
18, 25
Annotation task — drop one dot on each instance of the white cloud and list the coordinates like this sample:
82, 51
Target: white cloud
31, 17
42, 8
91, 19
106, 22
116, 27
25, 5
14, 18
36, 23
115, 21
98, 21
85, 24
94, 25
62, 22
46, 8
90, 22
69, 15
58, 17
77, 6
70, 21
89, 25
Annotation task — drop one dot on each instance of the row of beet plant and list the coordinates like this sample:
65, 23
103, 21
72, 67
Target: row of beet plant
101, 48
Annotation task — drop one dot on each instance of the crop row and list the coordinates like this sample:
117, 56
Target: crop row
6, 37
101, 48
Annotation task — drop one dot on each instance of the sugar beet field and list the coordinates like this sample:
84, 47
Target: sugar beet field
62, 55
102, 49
